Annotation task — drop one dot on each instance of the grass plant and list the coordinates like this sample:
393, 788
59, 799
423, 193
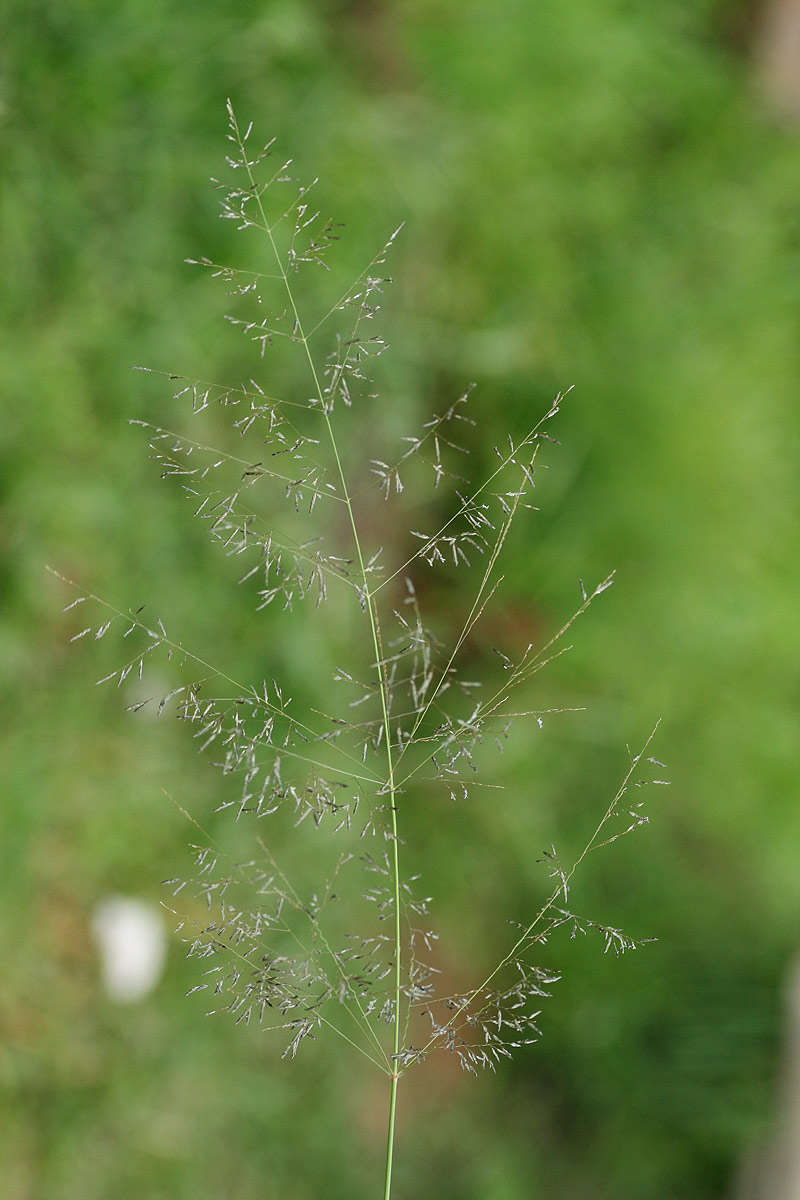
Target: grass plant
292, 500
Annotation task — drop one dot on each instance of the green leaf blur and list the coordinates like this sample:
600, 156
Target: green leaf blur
596, 194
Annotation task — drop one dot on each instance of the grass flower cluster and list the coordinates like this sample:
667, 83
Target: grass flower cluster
355, 958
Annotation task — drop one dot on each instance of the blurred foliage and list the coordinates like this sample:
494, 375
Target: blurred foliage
594, 196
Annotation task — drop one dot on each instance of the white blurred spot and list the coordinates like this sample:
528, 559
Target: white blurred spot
132, 942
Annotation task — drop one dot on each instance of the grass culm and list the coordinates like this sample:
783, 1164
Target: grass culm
299, 511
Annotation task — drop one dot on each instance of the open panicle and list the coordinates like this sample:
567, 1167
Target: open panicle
408, 716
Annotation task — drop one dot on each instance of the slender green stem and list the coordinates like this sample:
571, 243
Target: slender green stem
387, 1189
371, 611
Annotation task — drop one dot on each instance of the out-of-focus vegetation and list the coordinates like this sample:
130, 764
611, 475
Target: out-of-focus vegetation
594, 196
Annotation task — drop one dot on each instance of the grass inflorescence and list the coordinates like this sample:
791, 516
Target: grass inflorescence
355, 956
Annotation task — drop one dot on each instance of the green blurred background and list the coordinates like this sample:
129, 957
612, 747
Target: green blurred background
597, 194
